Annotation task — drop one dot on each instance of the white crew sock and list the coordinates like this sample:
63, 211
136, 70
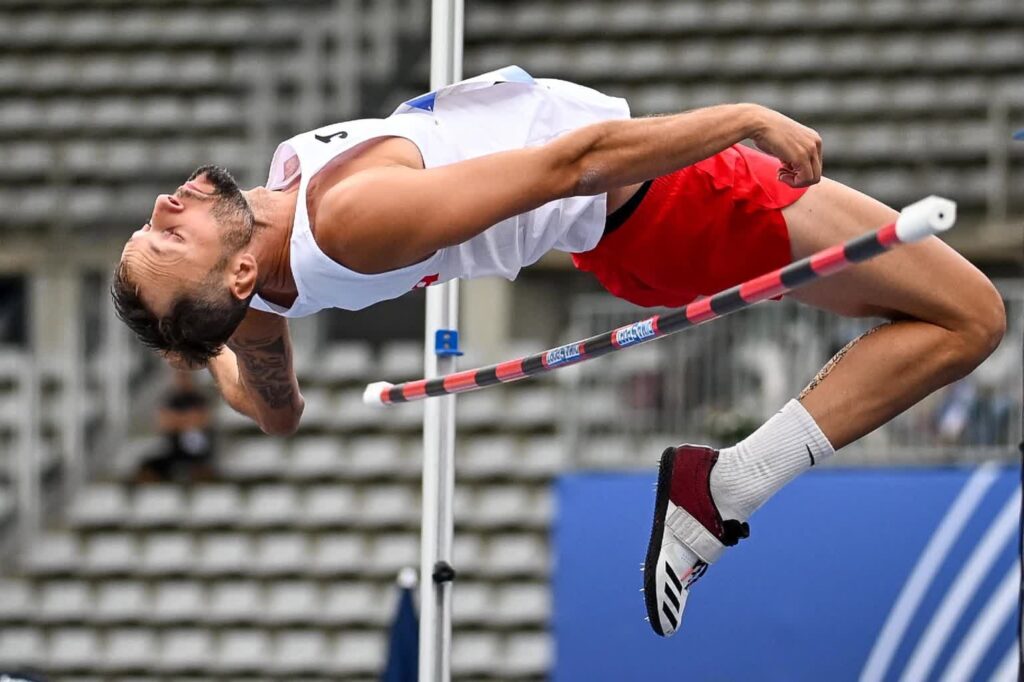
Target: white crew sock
754, 469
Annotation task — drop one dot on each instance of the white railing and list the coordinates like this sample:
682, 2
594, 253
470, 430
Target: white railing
61, 416
715, 383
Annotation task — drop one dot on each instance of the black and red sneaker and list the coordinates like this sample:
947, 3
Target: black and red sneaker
696, 534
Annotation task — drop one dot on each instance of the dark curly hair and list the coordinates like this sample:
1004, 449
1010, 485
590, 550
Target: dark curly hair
195, 329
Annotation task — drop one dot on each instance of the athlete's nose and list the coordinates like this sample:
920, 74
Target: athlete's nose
169, 202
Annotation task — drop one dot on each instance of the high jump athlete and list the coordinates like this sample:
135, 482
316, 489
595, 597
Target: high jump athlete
485, 176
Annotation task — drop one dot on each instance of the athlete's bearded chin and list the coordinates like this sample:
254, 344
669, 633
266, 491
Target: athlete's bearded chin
231, 210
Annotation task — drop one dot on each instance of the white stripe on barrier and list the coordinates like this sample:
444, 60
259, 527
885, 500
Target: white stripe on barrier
974, 569
985, 629
924, 571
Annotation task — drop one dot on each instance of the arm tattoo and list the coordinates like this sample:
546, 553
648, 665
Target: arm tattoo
267, 364
831, 364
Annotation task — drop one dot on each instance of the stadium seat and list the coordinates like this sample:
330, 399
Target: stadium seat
110, 553
516, 554
392, 551
178, 601
314, 458
486, 456
604, 407
389, 505
400, 361
17, 600
271, 506
72, 648
404, 417
224, 553
527, 654
53, 553
292, 601
496, 506
349, 412
467, 551
522, 604
243, 650
357, 652
234, 601
214, 505
346, 361
130, 649
480, 410
158, 505
300, 651
121, 601
541, 456
280, 553
472, 602
327, 505
474, 653
337, 553
22, 646
167, 553
213, 111
375, 456
98, 505
353, 604
185, 649
606, 451
532, 408
254, 458
65, 601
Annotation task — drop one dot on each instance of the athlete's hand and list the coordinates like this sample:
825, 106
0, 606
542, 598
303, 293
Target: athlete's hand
796, 146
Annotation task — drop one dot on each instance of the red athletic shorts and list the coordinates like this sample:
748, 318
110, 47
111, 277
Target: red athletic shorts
697, 231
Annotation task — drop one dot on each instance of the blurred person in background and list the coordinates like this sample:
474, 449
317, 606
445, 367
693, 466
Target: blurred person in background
486, 176
186, 454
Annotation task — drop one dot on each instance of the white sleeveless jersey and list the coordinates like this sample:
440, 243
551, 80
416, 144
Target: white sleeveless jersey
498, 111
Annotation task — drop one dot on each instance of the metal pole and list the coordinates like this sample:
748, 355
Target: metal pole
439, 415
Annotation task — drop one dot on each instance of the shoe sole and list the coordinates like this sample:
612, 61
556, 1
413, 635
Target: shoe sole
657, 533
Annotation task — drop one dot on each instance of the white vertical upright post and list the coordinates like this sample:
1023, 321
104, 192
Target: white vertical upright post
439, 413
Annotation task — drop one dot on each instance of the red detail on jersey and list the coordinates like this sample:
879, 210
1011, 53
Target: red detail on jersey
427, 281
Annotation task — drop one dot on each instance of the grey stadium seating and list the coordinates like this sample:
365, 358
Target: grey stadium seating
284, 569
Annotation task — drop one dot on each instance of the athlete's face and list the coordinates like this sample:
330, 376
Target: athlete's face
189, 239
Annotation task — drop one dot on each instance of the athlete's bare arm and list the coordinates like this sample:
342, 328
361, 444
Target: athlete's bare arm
391, 216
255, 375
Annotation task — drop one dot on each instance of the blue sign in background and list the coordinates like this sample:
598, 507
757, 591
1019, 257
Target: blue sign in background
806, 596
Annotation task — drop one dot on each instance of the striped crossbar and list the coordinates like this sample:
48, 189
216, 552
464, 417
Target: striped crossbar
926, 217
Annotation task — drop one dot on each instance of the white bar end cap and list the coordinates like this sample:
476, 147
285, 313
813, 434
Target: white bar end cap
924, 218
371, 396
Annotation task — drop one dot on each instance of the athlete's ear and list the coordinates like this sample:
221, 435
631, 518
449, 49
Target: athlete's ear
242, 276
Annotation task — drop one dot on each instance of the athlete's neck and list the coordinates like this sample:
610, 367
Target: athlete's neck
274, 212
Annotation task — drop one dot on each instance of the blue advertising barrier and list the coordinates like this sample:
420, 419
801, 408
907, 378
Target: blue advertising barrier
869, 575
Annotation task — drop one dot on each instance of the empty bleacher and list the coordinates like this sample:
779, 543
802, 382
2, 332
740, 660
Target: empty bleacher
285, 568
902, 91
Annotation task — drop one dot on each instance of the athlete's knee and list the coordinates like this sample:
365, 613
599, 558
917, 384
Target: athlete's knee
980, 325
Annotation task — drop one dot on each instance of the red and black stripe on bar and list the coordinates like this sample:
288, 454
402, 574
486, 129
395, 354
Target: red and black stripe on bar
769, 285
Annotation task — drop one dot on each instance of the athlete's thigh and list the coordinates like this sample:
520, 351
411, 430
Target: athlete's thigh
927, 281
